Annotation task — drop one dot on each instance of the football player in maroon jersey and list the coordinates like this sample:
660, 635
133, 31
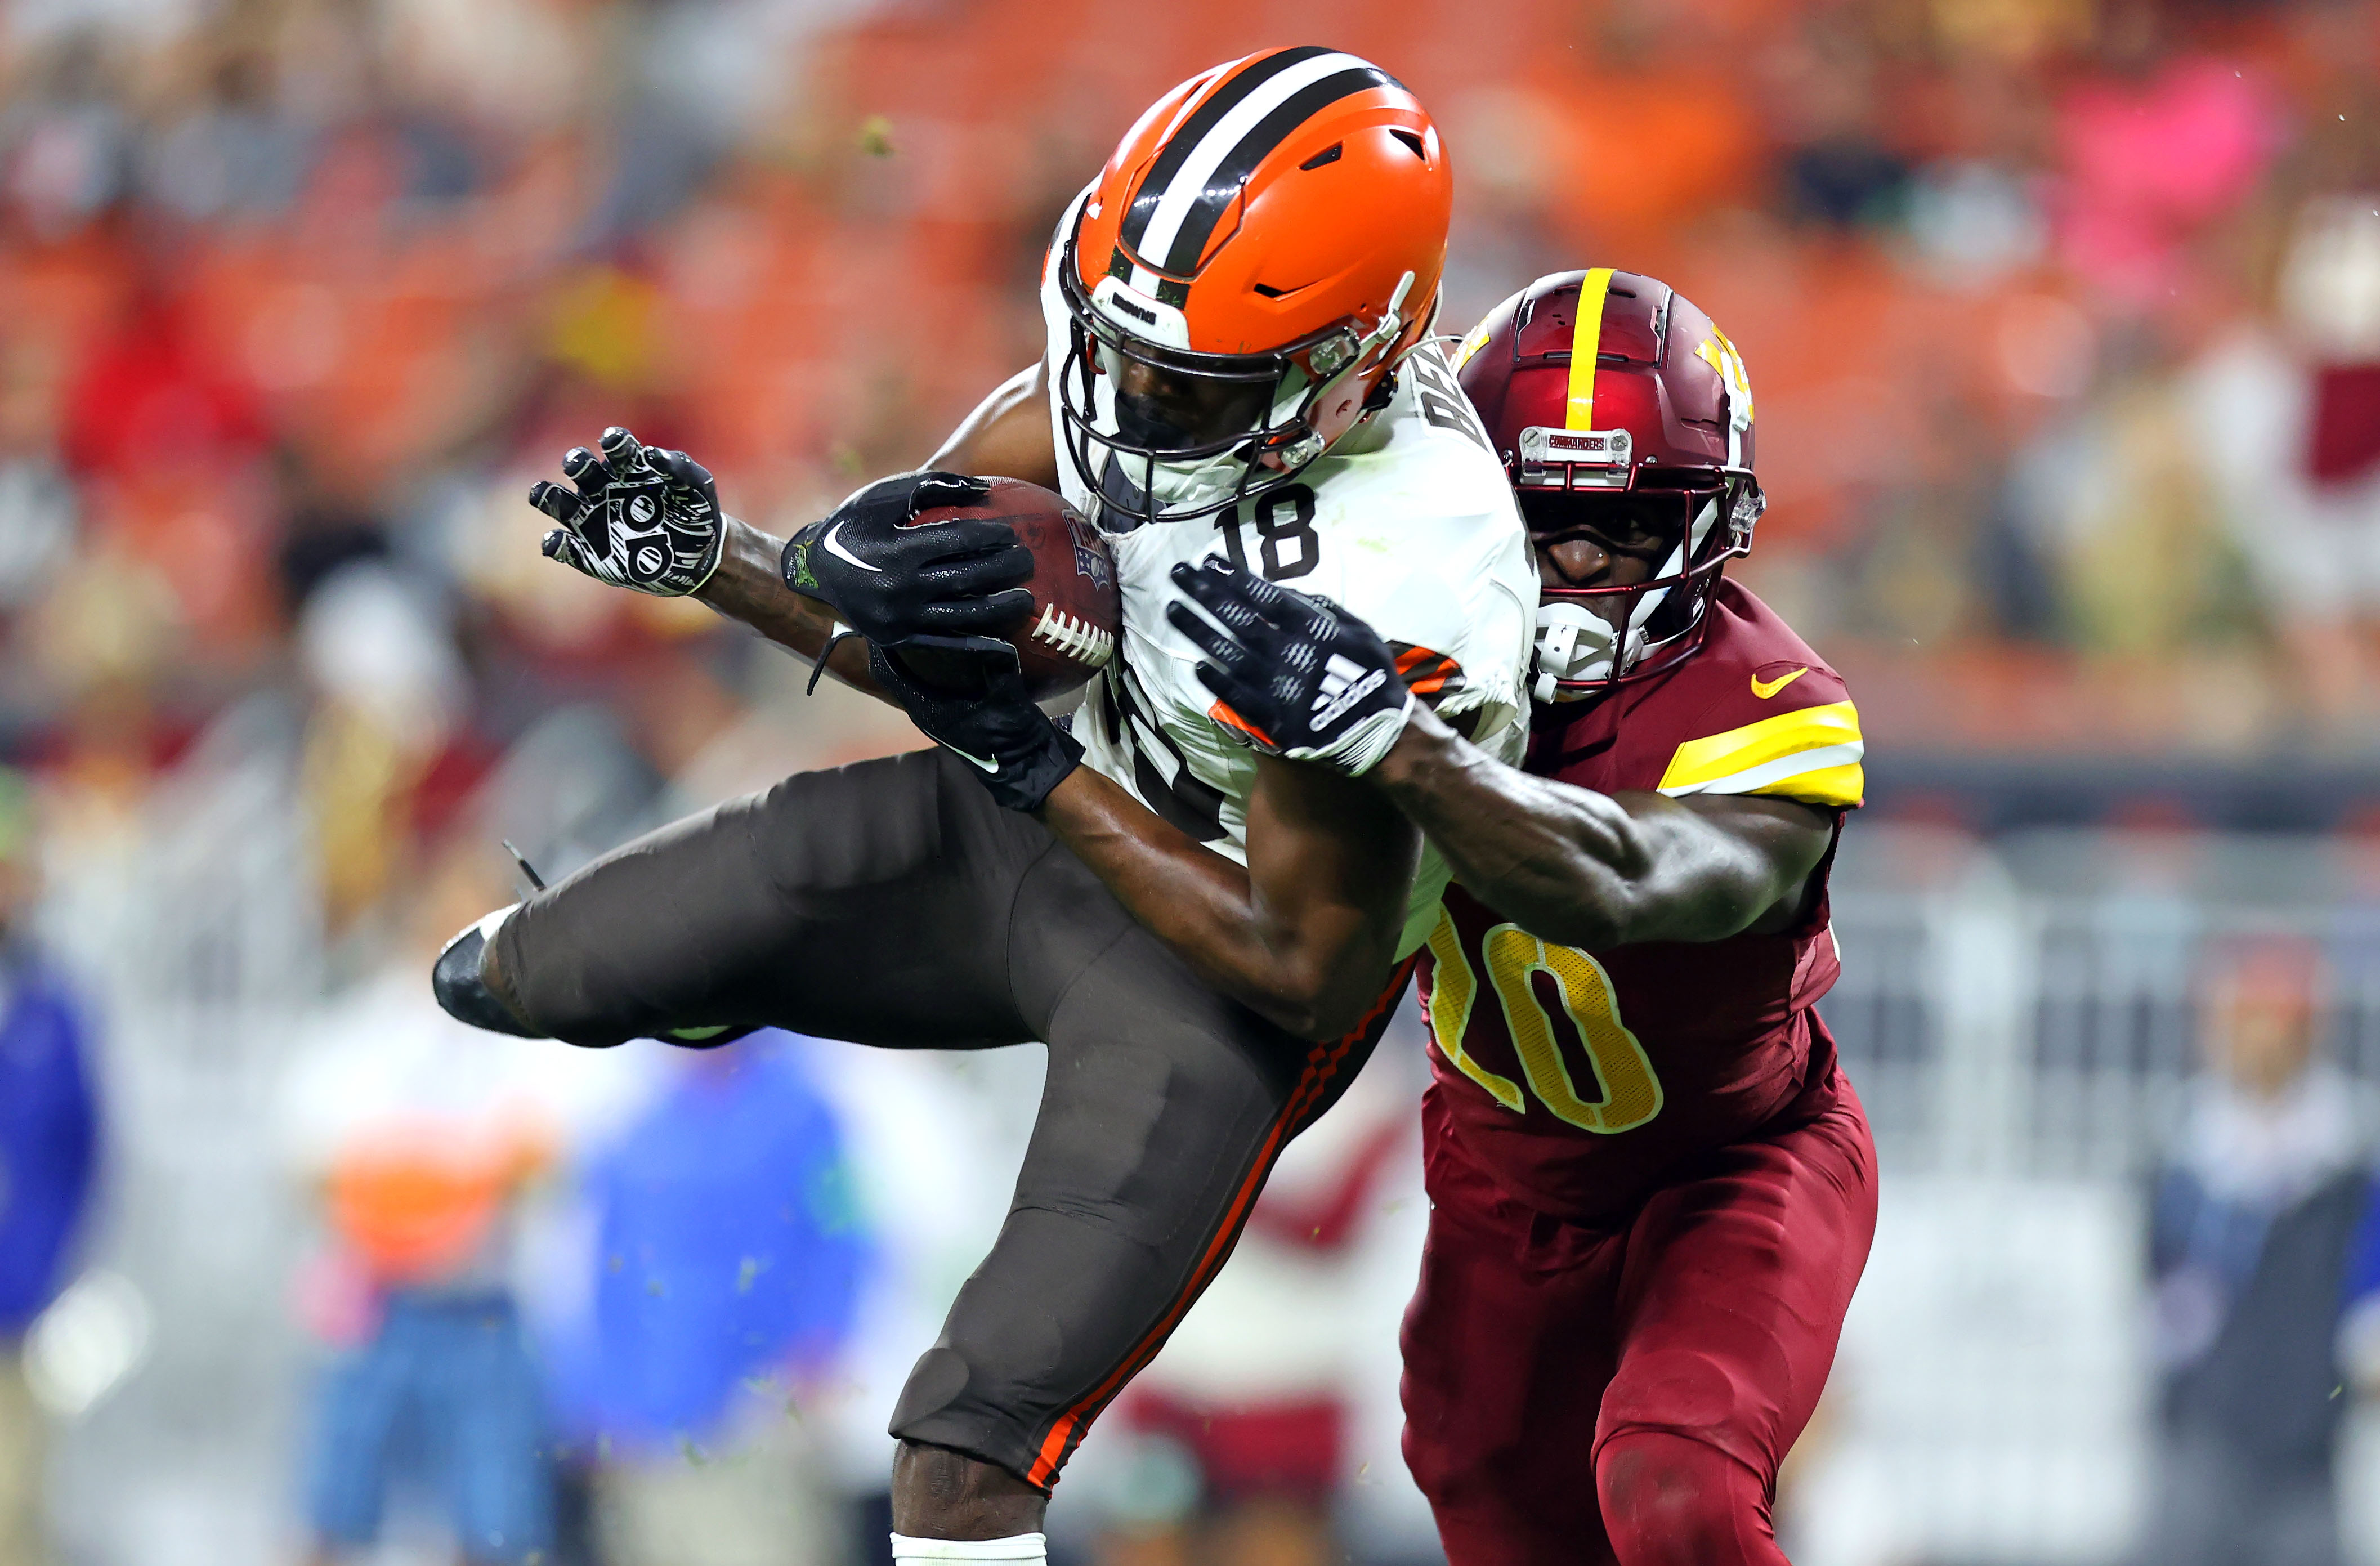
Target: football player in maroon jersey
1652, 1188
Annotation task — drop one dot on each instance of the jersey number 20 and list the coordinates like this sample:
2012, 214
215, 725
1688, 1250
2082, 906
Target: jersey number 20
1632, 1093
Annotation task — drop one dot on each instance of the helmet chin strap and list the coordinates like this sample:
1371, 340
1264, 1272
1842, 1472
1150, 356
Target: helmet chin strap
1175, 483
1573, 643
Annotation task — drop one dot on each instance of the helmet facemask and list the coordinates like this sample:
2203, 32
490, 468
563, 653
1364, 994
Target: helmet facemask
1163, 433
1592, 639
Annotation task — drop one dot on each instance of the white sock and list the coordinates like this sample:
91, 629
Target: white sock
1016, 1547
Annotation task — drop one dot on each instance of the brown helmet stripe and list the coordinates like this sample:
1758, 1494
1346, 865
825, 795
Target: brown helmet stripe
1179, 146
1208, 208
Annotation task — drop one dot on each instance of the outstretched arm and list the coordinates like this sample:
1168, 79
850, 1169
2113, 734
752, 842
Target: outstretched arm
1581, 869
1007, 435
749, 585
1566, 864
1306, 933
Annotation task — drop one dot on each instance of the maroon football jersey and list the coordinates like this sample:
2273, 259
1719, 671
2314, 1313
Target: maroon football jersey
1582, 1080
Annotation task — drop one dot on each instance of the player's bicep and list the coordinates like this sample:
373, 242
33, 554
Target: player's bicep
1008, 435
1724, 864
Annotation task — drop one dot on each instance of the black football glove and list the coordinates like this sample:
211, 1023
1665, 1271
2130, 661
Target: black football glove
1311, 681
891, 580
1014, 748
638, 518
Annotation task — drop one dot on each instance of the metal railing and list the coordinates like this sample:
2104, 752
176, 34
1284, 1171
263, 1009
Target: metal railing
2032, 1009
2020, 1018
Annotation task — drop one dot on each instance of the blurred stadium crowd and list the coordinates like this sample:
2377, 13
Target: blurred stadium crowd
2064, 314
2063, 317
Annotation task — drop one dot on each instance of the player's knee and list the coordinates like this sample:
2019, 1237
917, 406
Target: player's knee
1460, 1467
1437, 1476
1670, 1499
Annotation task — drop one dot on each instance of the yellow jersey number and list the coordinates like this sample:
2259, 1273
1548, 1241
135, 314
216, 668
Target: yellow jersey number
1630, 1092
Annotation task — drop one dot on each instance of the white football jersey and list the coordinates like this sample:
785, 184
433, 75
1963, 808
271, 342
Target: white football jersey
1408, 521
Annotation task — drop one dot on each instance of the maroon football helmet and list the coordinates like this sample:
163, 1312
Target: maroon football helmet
1617, 407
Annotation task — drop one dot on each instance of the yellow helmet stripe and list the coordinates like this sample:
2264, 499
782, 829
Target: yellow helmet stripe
1587, 337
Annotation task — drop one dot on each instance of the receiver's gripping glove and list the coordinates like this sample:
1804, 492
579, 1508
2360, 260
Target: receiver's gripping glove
1307, 679
1015, 748
637, 516
890, 579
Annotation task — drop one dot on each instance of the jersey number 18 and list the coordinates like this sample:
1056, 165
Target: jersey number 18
1288, 545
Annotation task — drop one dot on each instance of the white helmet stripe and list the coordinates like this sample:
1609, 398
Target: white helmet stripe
1190, 182
1641, 613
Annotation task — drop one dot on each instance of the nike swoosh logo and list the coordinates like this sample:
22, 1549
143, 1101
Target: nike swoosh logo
991, 767
1764, 690
834, 542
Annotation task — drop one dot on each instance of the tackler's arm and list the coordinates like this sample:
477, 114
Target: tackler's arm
1566, 864
1597, 870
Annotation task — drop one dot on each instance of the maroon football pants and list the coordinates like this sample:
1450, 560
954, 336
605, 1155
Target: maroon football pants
1625, 1395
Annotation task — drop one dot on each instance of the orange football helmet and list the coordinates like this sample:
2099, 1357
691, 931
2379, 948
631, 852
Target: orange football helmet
1255, 257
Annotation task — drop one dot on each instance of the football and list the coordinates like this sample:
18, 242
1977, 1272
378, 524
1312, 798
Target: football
1077, 610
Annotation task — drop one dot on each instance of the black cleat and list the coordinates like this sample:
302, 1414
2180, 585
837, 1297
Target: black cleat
462, 993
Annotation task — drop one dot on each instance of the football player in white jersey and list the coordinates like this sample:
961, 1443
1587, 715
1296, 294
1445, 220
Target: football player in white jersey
1352, 525
1207, 924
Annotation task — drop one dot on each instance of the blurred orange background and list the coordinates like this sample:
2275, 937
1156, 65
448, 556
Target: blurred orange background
2019, 283
2062, 318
